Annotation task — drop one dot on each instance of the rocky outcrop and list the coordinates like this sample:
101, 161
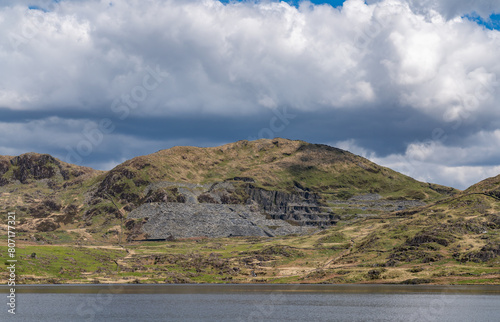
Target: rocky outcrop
117, 184
486, 253
34, 166
4, 166
30, 167
373, 202
39, 225
46, 224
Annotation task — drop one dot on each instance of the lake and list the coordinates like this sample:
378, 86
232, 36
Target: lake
254, 303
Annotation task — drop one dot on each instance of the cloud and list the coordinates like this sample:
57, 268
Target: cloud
243, 58
456, 8
385, 75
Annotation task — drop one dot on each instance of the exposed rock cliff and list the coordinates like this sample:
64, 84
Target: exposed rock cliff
179, 220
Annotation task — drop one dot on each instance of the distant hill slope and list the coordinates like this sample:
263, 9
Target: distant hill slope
464, 227
490, 186
43, 191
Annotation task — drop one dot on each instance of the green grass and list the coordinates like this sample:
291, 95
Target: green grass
231, 260
63, 262
480, 281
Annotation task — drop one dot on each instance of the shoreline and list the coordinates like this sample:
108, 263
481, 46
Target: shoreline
3, 284
119, 288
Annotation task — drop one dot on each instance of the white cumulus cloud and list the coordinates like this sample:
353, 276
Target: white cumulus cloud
177, 58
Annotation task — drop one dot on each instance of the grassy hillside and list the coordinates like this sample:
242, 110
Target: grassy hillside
490, 186
277, 164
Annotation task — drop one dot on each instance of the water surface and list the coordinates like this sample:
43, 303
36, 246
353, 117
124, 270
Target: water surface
255, 303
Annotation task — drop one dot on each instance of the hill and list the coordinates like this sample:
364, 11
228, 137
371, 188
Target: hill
38, 186
305, 184
274, 211
295, 182
490, 186
277, 164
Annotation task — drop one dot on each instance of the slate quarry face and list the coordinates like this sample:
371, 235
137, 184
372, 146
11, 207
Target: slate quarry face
206, 211
184, 220
216, 210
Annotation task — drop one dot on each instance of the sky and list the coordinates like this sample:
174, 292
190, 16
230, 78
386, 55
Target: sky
411, 85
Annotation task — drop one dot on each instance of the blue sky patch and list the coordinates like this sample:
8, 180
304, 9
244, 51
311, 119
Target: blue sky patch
493, 23
333, 3
37, 8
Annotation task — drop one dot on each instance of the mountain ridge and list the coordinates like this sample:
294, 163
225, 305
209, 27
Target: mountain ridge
293, 181
278, 205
